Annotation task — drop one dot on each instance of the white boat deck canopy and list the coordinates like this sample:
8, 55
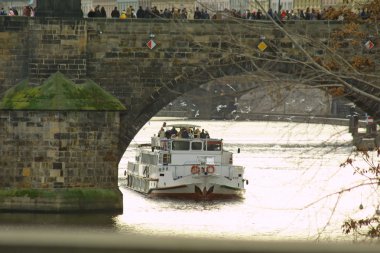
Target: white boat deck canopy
182, 126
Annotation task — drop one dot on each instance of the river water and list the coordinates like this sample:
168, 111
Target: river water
293, 171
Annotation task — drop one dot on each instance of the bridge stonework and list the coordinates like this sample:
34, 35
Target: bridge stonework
61, 153
114, 54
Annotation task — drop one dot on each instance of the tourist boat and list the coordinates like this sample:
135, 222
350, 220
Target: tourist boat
185, 165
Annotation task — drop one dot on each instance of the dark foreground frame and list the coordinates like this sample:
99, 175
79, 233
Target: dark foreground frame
42, 241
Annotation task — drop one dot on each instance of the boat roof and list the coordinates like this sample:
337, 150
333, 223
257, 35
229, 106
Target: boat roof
182, 125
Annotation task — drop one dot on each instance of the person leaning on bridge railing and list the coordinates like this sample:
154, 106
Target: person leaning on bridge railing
97, 12
12, 12
115, 13
3, 12
28, 11
103, 12
123, 14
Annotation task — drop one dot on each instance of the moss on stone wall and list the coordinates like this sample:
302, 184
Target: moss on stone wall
59, 93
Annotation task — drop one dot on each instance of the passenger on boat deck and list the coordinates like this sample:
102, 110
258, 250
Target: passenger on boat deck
184, 133
207, 135
196, 133
202, 134
161, 133
173, 131
191, 134
168, 134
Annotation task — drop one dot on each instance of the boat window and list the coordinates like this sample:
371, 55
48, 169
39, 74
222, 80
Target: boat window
165, 159
148, 159
180, 145
214, 145
196, 146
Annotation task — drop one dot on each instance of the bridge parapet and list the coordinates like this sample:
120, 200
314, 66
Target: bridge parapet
57, 45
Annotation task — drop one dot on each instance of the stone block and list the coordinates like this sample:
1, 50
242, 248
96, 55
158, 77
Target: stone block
26, 172
55, 173
57, 166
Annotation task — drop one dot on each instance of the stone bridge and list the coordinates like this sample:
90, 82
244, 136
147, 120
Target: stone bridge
182, 56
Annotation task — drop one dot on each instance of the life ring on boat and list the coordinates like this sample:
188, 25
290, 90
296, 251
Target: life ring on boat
195, 169
210, 169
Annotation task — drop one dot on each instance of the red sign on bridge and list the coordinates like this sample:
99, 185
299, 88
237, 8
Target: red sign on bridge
151, 44
369, 45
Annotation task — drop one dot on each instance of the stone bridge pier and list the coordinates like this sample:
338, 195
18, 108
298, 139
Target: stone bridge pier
57, 161
62, 135
59, 151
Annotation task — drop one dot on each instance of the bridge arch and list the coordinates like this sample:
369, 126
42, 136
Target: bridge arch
284, 72
190, 53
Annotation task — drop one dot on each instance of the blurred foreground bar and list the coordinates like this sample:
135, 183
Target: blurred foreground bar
42, 241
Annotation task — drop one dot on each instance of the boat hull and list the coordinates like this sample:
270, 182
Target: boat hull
199, 187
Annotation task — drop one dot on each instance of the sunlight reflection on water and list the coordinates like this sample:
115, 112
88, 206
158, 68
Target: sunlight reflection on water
289, 167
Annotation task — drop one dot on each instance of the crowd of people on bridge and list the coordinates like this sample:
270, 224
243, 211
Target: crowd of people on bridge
153, 12
308, 14
98, 12
182, 13
27, 11
178, 13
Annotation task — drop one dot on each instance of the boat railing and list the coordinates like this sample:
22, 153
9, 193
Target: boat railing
208, 144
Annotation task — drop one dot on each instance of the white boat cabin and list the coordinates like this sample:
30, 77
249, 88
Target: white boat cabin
187, 151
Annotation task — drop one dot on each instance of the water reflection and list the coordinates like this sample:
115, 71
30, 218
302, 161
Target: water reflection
57, 221
188, 218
